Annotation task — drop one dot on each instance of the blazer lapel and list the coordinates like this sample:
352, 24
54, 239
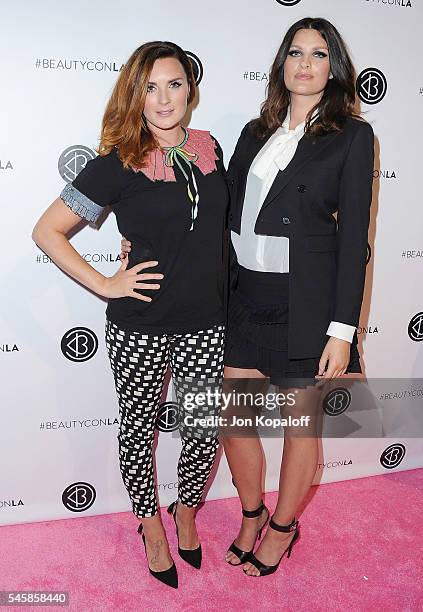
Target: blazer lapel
253, 147
250, 150
306, 150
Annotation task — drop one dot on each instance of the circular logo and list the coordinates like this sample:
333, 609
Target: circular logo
336, 401
167, 417
392, 456
197, 66
288, 2
369, 253
79, 344
415, 327
78, 496
371, 85
73, 160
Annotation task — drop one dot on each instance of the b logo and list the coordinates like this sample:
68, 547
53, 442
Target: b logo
167, 417
73, 160
371, 86
392, 456
78, 496
197, 66
79, 344
288, 2
415, 327
336, 401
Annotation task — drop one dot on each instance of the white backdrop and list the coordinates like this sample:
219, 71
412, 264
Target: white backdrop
58, 65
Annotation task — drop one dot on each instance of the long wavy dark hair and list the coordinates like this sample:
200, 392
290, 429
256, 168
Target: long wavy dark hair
338, 99
123, 124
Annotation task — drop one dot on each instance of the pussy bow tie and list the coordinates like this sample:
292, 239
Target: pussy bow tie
280, 151
176, 155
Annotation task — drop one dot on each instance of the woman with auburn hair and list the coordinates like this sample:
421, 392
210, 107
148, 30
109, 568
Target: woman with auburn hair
167, 188
297, 273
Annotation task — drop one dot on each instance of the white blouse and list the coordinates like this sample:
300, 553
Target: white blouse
271, 253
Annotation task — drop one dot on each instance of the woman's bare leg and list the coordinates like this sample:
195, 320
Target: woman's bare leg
157, 547
187, 529
245, 459
299, 463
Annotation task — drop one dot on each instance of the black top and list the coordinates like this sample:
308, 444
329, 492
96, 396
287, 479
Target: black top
156, 217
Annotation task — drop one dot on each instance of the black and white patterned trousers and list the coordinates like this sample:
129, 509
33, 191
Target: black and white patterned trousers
139, 363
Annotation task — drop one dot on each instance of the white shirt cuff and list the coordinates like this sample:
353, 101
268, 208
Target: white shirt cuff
341, 331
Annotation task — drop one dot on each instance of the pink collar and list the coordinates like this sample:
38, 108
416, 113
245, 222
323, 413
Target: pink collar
199, 142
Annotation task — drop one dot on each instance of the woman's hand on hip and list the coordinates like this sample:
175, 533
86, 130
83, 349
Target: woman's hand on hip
125, 247
335, 358
123, 282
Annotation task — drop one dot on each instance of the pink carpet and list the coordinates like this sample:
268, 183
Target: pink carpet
361, 549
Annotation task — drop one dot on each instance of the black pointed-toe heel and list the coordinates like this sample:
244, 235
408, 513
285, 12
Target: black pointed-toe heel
266, 570
193, 557
243, 555
169, 576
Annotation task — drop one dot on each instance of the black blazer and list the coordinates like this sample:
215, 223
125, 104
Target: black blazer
327, 256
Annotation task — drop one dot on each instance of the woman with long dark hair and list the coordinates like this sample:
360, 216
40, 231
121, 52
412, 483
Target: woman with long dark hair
297, 273
166, 185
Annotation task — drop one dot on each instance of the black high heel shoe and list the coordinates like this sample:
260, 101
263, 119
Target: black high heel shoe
265, 570
243, 555
193, 557
169, 576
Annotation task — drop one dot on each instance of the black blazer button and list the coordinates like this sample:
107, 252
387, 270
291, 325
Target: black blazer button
231, 216
302, 188
286, 220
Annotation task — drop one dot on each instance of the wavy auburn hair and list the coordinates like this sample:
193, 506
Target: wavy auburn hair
124, 125
338, 99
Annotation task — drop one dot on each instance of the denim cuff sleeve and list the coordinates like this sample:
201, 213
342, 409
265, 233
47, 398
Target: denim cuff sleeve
80, 204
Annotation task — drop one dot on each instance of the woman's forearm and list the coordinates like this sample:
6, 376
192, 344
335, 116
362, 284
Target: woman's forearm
61, 252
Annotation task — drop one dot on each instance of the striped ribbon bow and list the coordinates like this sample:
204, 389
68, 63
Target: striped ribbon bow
176, 155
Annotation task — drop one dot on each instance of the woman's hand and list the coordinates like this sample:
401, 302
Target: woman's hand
336, 356
125, 246
123, 282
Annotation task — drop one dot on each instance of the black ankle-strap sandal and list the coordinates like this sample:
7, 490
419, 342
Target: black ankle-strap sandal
243, 555
265, 570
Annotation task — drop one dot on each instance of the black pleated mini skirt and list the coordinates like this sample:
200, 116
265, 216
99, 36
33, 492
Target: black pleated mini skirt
257, 330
